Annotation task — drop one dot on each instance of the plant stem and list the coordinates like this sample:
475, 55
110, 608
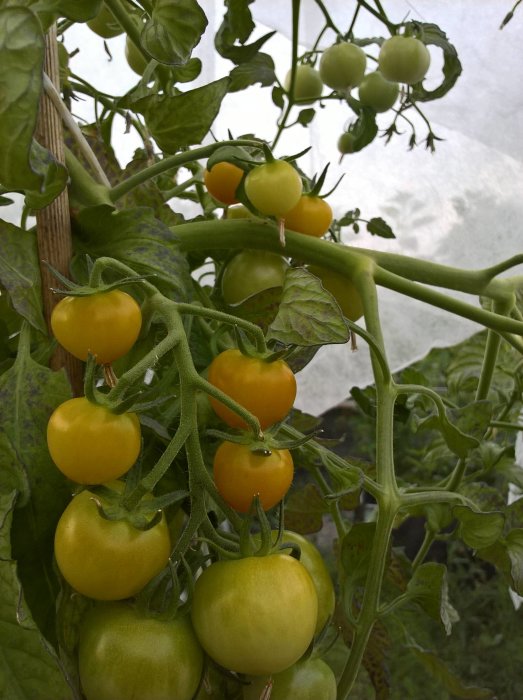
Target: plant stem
174, 161
75, 130
294, 60
388, 500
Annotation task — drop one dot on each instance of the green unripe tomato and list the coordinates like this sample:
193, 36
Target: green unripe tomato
377, 92
404, 59
134, 57
306, 680
251, 272
346, 143
105, 24
274, 188
342, 66
124, 654
342, 289
308, 84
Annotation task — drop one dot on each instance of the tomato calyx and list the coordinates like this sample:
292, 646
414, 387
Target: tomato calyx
73, 289
112, 504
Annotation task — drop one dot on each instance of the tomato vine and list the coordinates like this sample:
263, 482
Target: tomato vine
177, 476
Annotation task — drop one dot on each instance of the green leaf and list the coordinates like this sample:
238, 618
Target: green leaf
184, 119
259, 70
308, 315
260, 308
54, 177
433, 35
378, 227
238, 25
175, 28
507, 556
21, 57
364, 129
277, 96
449, 680
28, 667
356, 548
478, 529
139, 240
429, 588
306, 116
29, 393
462, 428
20, 273
304, 510
46, 10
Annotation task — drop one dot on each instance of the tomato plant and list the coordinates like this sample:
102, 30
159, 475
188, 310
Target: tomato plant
273, 188
107, 559
105, 324
222, 181
141, 214
266, 389
125, 654
90, 444
251, 272
377, 92
241, 473
311, 679
342, 289
308, 84
105, 24
342, 66
312, 215
404, 59
255, 615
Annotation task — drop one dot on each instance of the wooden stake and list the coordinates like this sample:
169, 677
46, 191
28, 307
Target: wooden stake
53, 224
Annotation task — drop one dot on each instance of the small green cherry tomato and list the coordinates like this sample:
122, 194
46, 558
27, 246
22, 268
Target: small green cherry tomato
107, 559
311, 679
308, 84
311, 216
105, 24
251, 272
222, 180
377, 92
105, 324
266, 389
90, 444
342, 289
273, 188
240, 475
346, 143
123, 654
255, 615
135, 57
404, 59
342, 66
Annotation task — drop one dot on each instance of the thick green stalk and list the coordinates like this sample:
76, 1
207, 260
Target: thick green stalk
388, 500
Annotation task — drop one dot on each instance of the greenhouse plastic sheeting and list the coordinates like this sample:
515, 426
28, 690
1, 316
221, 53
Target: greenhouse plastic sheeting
460, 206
